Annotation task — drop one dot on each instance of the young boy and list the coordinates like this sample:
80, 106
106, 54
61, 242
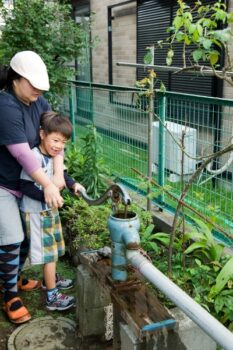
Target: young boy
42, 223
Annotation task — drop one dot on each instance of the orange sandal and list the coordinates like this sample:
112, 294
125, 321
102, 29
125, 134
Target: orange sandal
29, 286
20, 315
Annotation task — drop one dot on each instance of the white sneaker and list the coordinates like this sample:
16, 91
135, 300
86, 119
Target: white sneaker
60, 302
61, 283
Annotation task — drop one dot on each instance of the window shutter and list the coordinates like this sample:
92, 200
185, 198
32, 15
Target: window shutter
153, 18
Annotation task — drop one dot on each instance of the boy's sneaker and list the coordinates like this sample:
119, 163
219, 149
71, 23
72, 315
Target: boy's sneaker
60, 302
61, 283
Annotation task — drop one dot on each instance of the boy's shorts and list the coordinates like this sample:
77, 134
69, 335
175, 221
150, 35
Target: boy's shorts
44, 232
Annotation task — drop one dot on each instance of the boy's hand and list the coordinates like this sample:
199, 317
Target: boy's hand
78, 188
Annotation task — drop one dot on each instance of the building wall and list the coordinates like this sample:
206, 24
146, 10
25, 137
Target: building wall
123, 41
124, 49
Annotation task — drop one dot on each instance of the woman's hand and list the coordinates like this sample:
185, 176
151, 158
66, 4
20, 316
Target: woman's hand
52, 196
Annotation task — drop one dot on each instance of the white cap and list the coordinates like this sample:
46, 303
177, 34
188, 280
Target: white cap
30, 66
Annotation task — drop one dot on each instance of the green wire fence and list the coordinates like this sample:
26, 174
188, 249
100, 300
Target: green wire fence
197, 124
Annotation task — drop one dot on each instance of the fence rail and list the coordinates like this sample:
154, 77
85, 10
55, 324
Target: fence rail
199, 125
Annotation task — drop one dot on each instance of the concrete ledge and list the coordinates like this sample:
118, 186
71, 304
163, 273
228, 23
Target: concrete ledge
192, 336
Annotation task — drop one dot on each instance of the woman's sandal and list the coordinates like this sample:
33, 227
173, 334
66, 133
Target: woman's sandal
30, 285
20, 315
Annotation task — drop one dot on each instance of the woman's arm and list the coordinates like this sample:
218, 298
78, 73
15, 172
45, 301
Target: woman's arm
27, 159
51, 192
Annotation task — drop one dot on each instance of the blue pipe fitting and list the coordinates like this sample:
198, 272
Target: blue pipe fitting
124, 231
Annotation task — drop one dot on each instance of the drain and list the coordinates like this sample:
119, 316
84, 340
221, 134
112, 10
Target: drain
45, 333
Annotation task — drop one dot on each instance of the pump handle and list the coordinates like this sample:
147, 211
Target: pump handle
116, 192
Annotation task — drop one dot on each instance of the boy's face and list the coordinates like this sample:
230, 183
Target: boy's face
52, 144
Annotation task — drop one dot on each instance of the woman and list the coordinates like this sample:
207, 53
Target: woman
21, 105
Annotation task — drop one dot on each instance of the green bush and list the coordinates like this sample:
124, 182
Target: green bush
48, 29
84, 225
86, 163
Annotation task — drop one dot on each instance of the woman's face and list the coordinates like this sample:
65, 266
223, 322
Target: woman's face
25, 91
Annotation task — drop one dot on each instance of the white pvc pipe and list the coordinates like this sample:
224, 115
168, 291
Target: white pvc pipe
193, 310
224, 167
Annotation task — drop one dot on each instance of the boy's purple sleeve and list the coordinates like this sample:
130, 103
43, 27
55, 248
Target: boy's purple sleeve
24, 156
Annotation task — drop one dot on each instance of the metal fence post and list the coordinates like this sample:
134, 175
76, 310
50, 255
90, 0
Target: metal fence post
150, 50
72, 115
161, 159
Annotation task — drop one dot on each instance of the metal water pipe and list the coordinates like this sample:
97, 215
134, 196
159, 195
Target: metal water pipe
124, 231
123, 227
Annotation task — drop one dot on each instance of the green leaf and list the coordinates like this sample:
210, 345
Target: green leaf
216, 251
162, 87
154, 247
170, 53
180, 36
178, 22
197, 55
207, 44
206, 23
223, 277
187, 40
194, 246
162, 237
218, 304
148, 58
200, 29
194, 235
214, 57
168, 61
192, 28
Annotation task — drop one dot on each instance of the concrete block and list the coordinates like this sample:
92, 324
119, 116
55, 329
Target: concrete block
128, 339
90, 292
188, 336
91, 322
192, 336
92, 299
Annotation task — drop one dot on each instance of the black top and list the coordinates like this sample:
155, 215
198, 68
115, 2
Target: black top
19, 123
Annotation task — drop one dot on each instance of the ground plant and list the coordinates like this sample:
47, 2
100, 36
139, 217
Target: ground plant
85, 162
85, 227
200, 268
